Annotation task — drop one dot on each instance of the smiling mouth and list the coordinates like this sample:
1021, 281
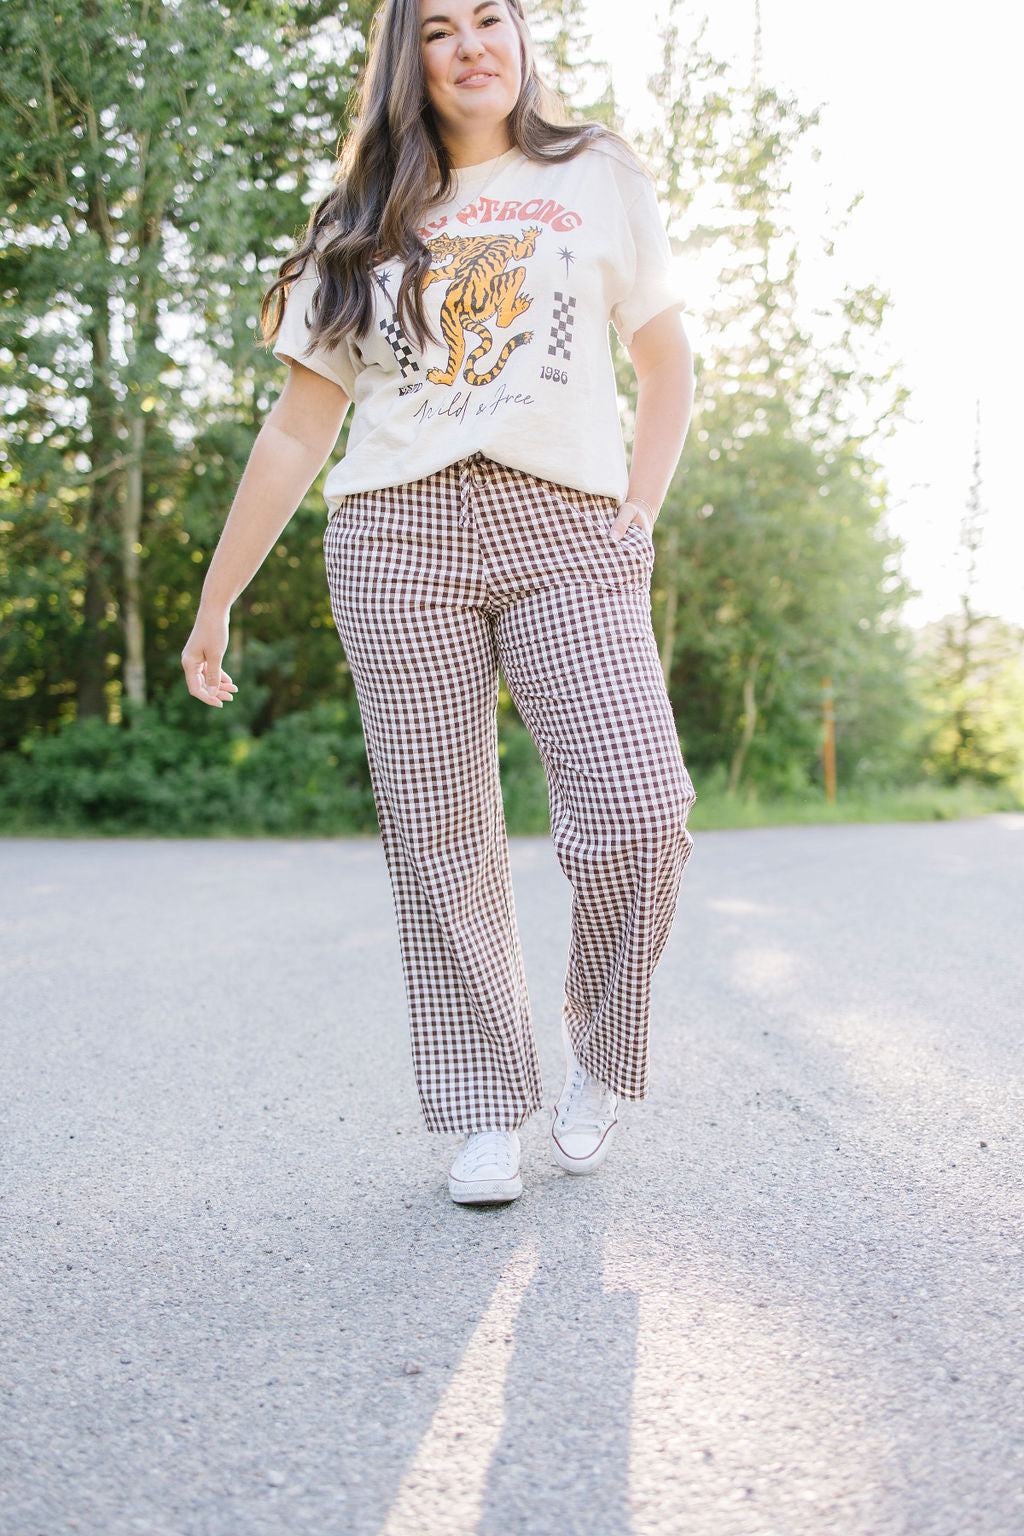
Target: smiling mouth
477, 79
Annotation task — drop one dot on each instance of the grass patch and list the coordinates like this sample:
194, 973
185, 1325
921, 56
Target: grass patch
524, 789
716, 809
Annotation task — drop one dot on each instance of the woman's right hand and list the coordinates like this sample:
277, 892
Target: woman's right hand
290, 449
202, 657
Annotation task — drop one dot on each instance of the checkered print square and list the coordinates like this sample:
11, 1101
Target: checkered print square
561, 330
400, 346
434, 586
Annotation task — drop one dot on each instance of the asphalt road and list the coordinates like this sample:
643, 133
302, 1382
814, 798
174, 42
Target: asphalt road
235, 1297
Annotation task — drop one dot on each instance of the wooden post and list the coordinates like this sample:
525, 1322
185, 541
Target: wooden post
829, 744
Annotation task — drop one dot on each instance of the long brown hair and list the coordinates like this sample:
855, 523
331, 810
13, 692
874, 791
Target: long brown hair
393, 165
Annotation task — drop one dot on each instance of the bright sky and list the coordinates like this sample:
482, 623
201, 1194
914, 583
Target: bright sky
920, 113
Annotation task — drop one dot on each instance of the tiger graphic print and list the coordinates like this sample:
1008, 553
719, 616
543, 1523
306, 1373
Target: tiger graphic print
481, 286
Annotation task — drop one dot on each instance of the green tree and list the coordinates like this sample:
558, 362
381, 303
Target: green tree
775, 567
974, 672
977, 705
563, 46
150, 166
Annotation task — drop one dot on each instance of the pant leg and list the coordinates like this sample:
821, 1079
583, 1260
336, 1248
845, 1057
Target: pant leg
578, 653
405, 592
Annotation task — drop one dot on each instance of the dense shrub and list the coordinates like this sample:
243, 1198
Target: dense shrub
307, 773
179, 770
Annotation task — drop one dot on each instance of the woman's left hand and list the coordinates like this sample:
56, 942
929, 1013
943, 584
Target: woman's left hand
632, 512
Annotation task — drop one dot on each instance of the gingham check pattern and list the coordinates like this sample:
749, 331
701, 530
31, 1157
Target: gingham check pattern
434, 584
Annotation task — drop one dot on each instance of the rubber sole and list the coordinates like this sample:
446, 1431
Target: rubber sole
484, 1191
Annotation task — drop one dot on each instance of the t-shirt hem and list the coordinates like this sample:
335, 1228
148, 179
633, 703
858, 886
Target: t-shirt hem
366, 484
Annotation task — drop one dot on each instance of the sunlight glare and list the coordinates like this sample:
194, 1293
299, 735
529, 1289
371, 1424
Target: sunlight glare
442, 1492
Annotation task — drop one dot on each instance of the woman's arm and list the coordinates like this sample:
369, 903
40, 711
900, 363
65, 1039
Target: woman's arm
661, 355
289, 452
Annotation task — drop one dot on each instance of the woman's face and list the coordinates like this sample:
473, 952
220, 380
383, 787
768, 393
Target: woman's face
472, 66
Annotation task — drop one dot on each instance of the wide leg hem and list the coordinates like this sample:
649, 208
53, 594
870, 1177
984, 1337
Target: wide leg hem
447, 1125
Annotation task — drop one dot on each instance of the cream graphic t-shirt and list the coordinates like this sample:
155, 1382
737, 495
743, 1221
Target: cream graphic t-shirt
530, 263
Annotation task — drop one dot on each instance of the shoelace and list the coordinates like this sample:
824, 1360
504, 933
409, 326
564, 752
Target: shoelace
488, 1147
586, 1102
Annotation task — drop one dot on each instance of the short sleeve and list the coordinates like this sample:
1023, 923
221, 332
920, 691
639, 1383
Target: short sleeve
655, 285
294, 336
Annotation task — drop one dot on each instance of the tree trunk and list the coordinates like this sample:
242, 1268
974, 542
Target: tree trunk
236, 641
99, 524
91, 682
131, 563
102, 513
749, 721
151, 204
963, 728
668, 618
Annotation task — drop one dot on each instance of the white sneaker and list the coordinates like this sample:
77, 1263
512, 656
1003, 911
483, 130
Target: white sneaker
584, 1118
486, 1171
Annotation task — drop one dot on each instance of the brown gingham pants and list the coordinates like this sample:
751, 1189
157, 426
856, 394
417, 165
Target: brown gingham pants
434, 584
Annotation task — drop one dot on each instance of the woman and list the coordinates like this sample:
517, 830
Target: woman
457, 285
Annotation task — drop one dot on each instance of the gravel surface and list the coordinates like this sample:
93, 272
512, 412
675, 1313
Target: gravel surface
235, 1297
